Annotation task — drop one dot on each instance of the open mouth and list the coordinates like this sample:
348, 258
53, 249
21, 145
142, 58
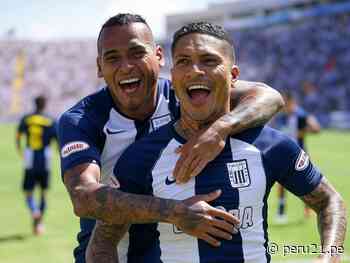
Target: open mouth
130, 85
198, 93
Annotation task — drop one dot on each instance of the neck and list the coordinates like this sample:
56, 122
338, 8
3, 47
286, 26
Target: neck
141, 112
188, 128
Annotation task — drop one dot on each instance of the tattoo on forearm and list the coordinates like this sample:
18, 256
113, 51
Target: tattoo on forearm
331, 213
116, 207
251, 112
103, 243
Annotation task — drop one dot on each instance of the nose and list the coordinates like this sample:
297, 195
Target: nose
126, 66
195, 70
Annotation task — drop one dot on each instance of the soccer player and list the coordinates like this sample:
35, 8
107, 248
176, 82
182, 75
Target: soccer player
95, 132
296, 123
203, 70
39, 131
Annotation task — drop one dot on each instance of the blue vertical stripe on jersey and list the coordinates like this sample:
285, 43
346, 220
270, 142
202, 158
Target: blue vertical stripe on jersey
142, 128
215, 176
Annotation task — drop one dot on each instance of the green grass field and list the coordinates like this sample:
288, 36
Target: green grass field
330, 151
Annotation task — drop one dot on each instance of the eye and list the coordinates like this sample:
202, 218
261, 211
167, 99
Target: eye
210, 61
112, 59
139, 53
182, 62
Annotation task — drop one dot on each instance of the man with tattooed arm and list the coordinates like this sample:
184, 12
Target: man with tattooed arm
245, 170
94, 133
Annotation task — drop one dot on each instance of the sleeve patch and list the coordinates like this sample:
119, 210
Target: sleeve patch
73, 147
302, 162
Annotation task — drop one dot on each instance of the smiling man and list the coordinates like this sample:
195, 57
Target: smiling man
203, 71
95, 132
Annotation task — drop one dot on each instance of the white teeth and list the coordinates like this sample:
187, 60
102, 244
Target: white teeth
128, 81
194, 87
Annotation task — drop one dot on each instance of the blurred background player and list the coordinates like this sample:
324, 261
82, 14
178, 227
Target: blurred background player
39, 131
296, 123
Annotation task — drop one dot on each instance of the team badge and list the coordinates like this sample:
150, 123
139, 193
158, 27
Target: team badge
238, 173
158, 122
73, 147
302, 161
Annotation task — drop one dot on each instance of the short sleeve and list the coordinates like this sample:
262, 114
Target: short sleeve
77, 143
293, 168
21, 128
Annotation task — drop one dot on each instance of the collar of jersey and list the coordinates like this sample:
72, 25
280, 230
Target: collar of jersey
177, 136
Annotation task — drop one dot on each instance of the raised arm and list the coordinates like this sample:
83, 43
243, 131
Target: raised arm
331, 217
194, 216
252, 104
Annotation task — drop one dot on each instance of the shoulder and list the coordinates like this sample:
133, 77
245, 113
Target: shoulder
270, 142
95, 108
151, 145
144, 153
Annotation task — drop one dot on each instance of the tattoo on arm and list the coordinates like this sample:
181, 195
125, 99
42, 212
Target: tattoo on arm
252, 104
102, 246
331, 214
94, 200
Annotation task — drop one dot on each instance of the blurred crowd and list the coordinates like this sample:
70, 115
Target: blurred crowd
63, 71
310, 57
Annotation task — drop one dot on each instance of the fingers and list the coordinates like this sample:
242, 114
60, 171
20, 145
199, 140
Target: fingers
186, 175
201, 165
184, 164
218, 233
210, 196
227, 217
179, 167
205, 197
223, 225
209, 239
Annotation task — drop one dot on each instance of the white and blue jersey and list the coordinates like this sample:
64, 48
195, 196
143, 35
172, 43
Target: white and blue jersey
245, 171
94, 130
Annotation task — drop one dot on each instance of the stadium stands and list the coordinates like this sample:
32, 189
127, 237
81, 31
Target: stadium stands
310, 56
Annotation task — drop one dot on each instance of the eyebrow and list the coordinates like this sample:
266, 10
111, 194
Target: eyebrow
181, 56
108, 52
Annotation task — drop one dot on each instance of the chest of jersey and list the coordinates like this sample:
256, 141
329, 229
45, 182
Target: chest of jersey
120, 132
238, 171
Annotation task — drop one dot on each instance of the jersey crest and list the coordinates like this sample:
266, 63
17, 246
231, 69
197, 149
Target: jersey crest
238, 173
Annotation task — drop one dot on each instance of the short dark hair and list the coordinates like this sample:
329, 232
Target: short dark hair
120, 20
40, 103
202, 28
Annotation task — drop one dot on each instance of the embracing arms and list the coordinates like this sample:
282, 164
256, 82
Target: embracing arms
252, 104
194, 216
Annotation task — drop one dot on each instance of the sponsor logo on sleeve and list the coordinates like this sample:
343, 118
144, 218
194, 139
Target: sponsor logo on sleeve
73, 147
302, 162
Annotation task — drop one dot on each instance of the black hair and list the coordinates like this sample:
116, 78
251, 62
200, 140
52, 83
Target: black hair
203, 28
40, 103
120, 20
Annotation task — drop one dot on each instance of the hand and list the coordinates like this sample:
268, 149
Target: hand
197, 153
206, 222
